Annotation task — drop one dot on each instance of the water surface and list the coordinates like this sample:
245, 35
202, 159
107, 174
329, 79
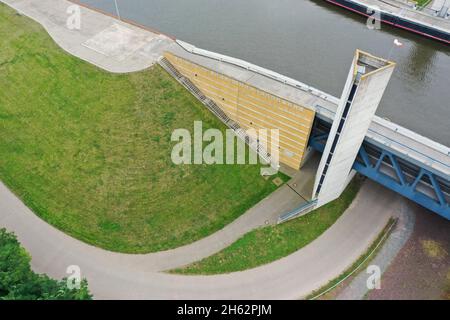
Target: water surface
313, 42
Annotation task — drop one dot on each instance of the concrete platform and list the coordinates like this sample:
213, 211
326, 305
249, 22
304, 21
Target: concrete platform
102, 40
119, 42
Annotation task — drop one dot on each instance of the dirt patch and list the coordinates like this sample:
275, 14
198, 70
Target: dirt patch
277, 181
421, 270
433, 249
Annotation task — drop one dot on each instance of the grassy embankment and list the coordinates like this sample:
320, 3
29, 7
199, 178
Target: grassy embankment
90, 152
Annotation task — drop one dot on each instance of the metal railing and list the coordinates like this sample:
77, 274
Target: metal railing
257, 69
303, 209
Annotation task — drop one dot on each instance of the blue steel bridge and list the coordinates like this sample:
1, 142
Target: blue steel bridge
422, 178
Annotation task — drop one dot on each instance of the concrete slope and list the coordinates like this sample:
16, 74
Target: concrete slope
102, 40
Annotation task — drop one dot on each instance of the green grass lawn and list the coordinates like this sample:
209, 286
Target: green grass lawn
89, 151
422, 3
271, 243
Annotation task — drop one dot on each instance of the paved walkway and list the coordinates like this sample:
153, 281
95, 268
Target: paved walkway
102, 40
113, 275
119, 276
404, 227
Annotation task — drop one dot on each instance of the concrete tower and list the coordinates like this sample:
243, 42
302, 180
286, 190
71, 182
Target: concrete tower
366, 82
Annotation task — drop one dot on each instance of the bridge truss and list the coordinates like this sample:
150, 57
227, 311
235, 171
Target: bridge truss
394, 172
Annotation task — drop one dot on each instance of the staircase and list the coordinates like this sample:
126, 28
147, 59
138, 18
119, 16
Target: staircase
216, 110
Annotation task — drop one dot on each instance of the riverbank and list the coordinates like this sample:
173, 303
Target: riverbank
402, 16
288, 43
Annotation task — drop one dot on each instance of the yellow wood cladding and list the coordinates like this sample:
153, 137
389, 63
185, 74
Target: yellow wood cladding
253, 108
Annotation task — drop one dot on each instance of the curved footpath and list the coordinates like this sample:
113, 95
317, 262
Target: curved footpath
122, 276
38, 236
397, 239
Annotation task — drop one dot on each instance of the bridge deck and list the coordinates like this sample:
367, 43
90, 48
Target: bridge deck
418, 149
399, 140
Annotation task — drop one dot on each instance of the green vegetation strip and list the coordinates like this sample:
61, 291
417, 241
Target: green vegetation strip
422, 3
363, 261
90, 151
19, 282
271, 243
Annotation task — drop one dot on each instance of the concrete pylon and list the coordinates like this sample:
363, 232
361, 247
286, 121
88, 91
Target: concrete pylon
365, 86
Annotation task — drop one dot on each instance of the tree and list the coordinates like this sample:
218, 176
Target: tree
19, 282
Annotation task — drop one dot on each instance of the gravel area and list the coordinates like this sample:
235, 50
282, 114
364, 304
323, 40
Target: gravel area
421, 270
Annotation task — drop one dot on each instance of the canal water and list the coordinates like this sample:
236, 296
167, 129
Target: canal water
313, 42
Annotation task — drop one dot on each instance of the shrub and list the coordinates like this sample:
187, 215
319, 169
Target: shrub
19, 282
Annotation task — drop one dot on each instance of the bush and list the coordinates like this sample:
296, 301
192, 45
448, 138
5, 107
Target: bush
19, 282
